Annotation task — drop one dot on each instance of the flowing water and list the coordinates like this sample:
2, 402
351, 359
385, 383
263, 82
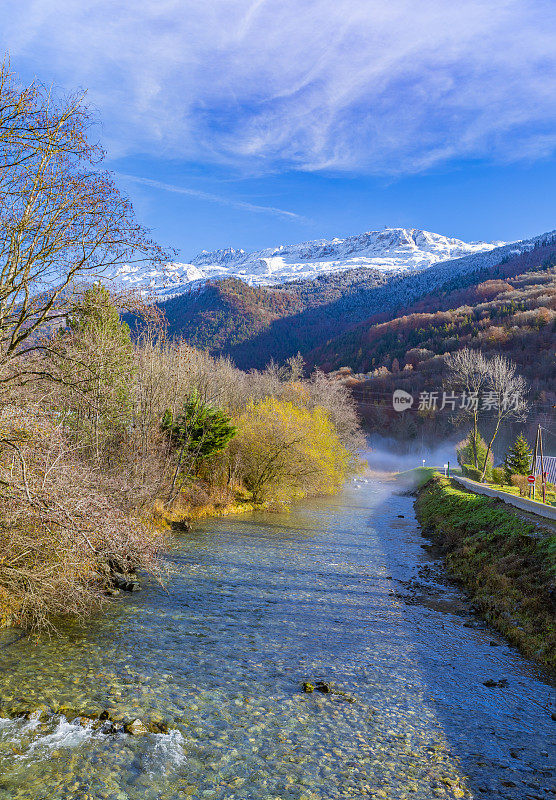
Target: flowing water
339, 590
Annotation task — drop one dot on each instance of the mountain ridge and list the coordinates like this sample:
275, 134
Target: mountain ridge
253, 324
392, 250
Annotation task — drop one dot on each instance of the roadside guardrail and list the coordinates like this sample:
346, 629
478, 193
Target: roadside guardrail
533, 506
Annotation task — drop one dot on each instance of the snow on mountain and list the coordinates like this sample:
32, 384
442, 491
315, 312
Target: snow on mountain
160, 284
393, 250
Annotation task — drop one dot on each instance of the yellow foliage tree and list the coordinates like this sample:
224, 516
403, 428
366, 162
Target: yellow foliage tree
284, 451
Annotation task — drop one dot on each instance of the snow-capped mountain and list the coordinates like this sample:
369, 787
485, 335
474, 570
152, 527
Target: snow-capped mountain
393, 250
159, 284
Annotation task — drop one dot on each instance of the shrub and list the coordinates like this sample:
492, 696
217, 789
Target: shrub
471, 472
57, 530
522, 484
467, 449
498, 476
283, 451
199, 432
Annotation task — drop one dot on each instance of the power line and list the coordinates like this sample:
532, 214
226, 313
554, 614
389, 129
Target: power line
546, 429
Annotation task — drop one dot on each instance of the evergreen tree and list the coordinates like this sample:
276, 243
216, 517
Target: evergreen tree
199, 432
518, 459
98, 363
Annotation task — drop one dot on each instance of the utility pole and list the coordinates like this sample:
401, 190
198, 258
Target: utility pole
543, 476
534, 462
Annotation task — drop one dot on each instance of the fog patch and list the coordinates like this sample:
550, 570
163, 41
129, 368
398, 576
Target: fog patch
390, 455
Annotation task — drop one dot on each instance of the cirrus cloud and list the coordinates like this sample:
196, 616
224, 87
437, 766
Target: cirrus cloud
377, 86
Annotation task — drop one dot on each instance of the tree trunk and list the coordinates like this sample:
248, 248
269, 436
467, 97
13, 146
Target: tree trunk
176, 473
488, 450
475, 434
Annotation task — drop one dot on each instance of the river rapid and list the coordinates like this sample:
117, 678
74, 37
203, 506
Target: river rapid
340, 590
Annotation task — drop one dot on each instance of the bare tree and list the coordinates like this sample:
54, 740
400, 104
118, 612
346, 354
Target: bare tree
468, 372
15, 107
62, 220
505, 396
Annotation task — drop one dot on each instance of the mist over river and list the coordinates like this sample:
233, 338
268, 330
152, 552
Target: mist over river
339, 590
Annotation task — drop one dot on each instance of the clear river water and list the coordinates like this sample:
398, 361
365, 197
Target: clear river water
339, 590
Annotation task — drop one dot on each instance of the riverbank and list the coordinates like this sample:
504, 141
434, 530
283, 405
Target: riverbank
506, 562
116, 571
181, 514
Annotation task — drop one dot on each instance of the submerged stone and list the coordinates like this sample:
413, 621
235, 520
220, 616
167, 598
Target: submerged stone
69, 713
156, 723
158, 727
26, 710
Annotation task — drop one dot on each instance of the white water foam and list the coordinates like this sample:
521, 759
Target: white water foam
168, 753
39, 745
18, 727
65, 734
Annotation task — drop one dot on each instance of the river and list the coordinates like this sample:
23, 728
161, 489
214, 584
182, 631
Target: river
339, 590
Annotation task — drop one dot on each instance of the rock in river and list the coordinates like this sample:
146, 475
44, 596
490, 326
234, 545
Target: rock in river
135, 728
125, 582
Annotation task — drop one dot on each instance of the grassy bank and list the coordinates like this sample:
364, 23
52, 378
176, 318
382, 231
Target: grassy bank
507, 563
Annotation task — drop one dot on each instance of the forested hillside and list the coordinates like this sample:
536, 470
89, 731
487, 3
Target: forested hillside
224, 313
511, 311
256, 324
225, 316
385, 333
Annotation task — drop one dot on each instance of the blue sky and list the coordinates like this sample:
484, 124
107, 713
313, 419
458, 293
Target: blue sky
249, 123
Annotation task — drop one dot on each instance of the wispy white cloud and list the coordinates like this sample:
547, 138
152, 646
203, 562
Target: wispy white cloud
384, 86
212, 198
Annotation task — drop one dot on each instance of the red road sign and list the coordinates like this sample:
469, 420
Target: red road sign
531, 478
